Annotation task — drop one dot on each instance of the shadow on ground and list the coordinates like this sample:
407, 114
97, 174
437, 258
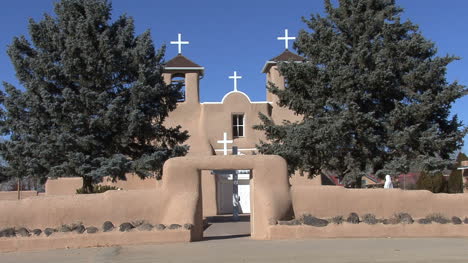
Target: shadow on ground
226, 227
225, 237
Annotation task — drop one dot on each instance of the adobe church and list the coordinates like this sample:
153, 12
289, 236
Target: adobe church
216, 127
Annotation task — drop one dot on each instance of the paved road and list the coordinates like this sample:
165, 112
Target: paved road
222, 227
230, 242
246, 250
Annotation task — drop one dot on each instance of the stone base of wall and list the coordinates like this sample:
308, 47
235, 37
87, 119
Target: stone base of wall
71, 240
347, 230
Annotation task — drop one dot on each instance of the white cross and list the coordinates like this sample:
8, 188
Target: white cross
225, 141
235, 77
179, 43
286, 38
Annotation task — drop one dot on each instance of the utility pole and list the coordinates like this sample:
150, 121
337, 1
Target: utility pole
235, 190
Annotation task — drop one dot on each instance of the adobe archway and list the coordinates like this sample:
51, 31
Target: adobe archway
270, 194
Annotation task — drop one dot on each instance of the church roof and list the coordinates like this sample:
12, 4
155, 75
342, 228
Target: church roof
285, 56
180, 62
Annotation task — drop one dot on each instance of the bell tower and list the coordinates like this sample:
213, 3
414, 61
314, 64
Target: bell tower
181, 70
274, 76
271, 67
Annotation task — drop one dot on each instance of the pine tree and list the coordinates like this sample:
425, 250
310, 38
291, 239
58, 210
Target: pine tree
93, 102
455, 182
434, 183
373, 96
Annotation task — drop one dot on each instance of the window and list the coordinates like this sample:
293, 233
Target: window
179, 80
237, 125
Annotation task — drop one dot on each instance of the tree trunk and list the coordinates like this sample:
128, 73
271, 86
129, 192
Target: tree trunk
358, 183
19, 188
87, 184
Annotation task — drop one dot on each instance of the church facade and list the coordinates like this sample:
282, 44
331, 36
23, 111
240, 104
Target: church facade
215, 127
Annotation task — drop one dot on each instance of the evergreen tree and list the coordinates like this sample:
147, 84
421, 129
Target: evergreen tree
435, 183
93, 102
455, 182
372, 93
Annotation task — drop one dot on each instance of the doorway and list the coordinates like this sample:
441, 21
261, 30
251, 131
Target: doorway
229, 193
232, 193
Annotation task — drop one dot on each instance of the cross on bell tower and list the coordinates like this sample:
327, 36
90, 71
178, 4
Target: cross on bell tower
179, 42
286, 38
270, 68
184, 72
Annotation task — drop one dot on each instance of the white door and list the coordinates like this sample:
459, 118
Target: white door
224, 195
244, 194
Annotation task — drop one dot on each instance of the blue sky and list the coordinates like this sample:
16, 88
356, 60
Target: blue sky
241, 35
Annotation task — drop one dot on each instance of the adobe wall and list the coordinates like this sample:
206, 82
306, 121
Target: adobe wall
52, 211
63, 185
179, 201
330, 201
13, 195
208, 181
89, 209
188, 116
217, 119
68, 186
362, 230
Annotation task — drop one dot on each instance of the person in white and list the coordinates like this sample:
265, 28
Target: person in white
388, 182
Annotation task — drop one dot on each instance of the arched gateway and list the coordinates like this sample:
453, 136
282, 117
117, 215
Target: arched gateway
270, 194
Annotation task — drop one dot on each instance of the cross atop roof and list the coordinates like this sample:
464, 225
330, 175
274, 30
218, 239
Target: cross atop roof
286, 38
235, 77
179, 43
